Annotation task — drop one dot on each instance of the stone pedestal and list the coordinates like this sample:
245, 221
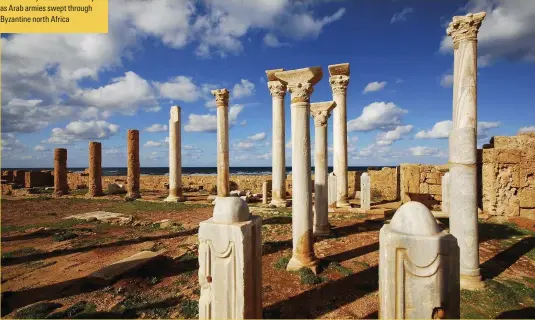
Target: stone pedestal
223, 173
300, 84
61, 186
445, 205
331, 199
95, 169
278, 90
266, 186
230, 262
463, 148
132, 173
175, 157
339, 81
321, 111
418, 267
365, 191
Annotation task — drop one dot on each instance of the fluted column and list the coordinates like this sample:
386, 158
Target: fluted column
95, 169
321, 111
222, 100
339, 80
300, 84
175, 157
463, 148
278, 188
133, 167
61, 186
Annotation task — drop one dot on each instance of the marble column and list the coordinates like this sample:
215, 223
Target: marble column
132, 173
61, 186
221, 99
321, 111
175, 157
462, 147
300, 84
339, 80
278, 90
95, 169
365, 191
445, 205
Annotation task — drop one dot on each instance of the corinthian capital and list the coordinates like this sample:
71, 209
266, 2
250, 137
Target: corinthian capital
300, 82
339, 84
321, 111
277, 89
221, 97
465, 27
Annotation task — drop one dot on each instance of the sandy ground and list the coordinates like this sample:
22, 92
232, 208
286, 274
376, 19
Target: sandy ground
40, 264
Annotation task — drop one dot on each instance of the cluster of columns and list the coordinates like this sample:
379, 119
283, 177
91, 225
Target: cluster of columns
463, 148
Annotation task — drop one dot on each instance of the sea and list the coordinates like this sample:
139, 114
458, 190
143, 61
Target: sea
121, 171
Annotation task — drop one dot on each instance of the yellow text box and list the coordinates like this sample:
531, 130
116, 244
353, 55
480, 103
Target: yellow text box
53, 16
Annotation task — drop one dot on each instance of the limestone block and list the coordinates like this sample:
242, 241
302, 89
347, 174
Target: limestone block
115, 188
527, 213
488, 155
410, 181
527, 176
418, 267
504, 142
435, 189
116, 269
230, 263
365, 191
424, 188
527, 198
508, 156
331, 197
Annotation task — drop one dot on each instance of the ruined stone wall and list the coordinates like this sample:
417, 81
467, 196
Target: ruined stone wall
422, 183
508, 176
38, 179
384, 184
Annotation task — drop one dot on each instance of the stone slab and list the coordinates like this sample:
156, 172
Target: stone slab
102, 216
117, 269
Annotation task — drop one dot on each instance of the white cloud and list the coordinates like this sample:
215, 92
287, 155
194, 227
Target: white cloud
11, 143
83, 130
40, 148
420, 151
387, 138
243, 123
447, 80
377, 115
153, 144
506, 31
401, 16
243, 89
157, 128
264, 156
257, 137
374, 86
208, 122
483, 129
191, 151
245, 145
179, 88
526, 129
441, 130
271, 40
152, 109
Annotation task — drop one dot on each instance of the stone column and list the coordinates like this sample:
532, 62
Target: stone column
132, 173
445, 205
221, 99
339, 80
278, 91
321, 111
418, 267
61, 186
175, 157
462, 146
265, 191
95, 169
230, 262
365, 191
300, 84
331, 187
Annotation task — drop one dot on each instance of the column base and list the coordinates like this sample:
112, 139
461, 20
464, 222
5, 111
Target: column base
278, 203
175, 199
343, 204
322, 231
295, 264
133, 196
472, 282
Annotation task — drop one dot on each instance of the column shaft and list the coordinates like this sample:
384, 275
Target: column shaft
340, 148
321, 217
278, 192
61, 186
175, 157
223, 174
133, 167
95, 169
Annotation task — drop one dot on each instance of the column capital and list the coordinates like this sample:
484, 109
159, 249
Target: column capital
221, 97
277, 89
300, 82
465, 28
321, 111
339, 84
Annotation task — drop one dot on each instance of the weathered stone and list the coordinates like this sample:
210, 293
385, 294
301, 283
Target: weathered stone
332, 190
133, 166
418, 267
266, 186
527, 198
223, 173
528, 213
61, 187
445, 192
115, 188
175, 157
365, 191
117, 269
95, 169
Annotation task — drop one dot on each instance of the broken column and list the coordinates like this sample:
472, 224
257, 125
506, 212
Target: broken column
221, 100
230, 262
339, 80
445, 205
331, 187
265, 191
278, 91
95, 169
463, 148
365, 191
175, 157
300, 84
321, 111
61, 186
132, 173
418, 267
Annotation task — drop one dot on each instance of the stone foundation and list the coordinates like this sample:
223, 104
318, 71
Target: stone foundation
422, 183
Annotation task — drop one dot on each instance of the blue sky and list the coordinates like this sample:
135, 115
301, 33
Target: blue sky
65, 90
